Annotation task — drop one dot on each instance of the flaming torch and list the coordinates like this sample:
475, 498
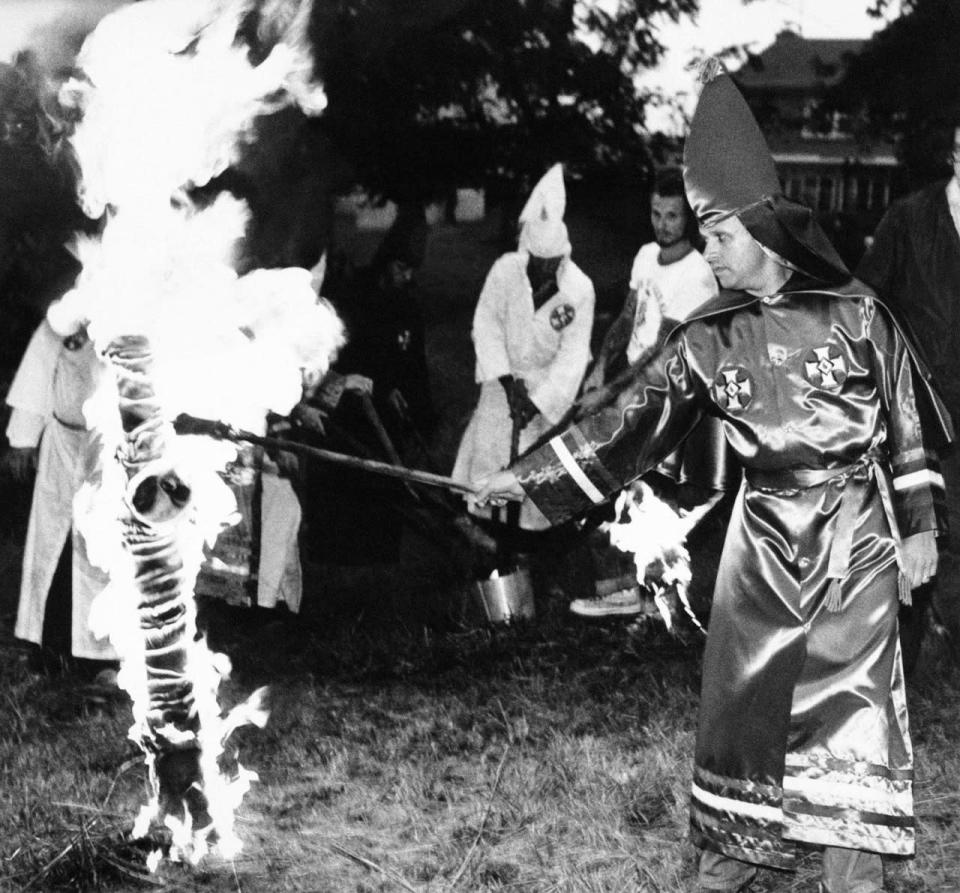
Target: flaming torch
167, 94
655, 535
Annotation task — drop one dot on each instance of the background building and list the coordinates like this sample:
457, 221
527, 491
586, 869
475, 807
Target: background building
821, 162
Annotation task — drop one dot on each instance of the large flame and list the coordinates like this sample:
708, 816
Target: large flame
167, 96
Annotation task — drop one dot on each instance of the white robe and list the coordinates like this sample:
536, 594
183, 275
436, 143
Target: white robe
548, 348
47, 397
279, 576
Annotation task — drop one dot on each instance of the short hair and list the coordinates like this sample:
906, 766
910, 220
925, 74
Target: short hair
667, 183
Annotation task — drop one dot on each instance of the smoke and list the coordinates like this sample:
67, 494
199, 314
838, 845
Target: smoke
56, 39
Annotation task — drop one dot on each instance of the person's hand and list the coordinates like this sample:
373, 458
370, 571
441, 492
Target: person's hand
496, 489
22, 463
522, 408
311, 418
591, 401
920, 558
358, 384
288, 464
277, 426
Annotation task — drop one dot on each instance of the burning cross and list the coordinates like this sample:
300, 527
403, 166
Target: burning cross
154, 500
825, 368
562, 316
733, 389
404, 338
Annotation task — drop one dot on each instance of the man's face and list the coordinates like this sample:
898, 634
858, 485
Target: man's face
735, 258
955, 153
669, 219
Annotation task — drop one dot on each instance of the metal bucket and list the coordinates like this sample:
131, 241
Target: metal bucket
506, 597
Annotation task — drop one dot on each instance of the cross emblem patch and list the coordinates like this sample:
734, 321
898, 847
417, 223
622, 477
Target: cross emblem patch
825, 367
562, 316
733, 389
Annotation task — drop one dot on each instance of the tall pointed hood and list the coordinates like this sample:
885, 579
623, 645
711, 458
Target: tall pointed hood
728, 170
543, 232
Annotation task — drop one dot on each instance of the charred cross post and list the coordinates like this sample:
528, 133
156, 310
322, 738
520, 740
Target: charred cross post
165, 98
156, 500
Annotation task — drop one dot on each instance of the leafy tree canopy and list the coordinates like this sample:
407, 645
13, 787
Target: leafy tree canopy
424, 95
905, 85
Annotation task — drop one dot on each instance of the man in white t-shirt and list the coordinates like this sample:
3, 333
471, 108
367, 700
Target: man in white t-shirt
669, 280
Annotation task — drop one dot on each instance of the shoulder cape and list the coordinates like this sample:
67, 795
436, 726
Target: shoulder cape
933, 412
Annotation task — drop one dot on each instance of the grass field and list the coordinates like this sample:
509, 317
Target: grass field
410, 746
553, 757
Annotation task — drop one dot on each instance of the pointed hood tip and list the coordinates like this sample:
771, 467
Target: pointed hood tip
727, 164
708, 69
728, 170
543, 232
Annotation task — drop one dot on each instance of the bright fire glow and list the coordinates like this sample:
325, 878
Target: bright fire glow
655, 534
166, 100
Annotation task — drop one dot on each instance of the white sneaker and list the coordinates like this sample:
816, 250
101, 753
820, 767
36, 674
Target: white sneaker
622, 603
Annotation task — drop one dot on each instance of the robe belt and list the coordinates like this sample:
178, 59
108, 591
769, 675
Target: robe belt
69, 425
870, 464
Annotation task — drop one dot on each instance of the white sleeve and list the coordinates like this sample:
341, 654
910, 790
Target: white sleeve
24, 428
32, 386
558, 389
635, 270
489, 336
707, 285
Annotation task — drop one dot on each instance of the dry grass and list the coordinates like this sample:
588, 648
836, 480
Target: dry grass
409, 747
549, 758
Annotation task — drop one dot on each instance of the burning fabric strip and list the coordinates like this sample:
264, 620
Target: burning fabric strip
649, 529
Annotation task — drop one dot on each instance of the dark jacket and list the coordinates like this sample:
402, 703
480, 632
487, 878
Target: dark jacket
386, 342
914, 265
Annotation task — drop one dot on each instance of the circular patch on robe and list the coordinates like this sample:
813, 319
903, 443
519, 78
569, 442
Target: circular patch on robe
825, 367
562, 316
733, 389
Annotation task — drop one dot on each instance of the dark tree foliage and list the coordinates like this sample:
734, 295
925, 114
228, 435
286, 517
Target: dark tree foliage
906, 84
37, 207
430, 94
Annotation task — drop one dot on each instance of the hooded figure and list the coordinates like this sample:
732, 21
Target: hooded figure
58, 373
531, 334
803, 733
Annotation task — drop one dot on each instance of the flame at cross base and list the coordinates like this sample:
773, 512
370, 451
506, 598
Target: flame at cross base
167, 96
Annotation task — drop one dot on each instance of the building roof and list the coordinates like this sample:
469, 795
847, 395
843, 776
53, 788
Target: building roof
797, 63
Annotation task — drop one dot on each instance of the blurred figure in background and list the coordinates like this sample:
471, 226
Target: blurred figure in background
374, 402
47, 431
669, 279
914, 265
531, 333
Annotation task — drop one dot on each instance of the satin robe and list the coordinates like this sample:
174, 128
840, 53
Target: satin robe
803, 731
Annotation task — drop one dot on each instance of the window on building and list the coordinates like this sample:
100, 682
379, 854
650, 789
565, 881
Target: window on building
825, 195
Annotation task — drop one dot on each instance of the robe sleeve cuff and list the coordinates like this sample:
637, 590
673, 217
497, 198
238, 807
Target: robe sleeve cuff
565, 478
919, 494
